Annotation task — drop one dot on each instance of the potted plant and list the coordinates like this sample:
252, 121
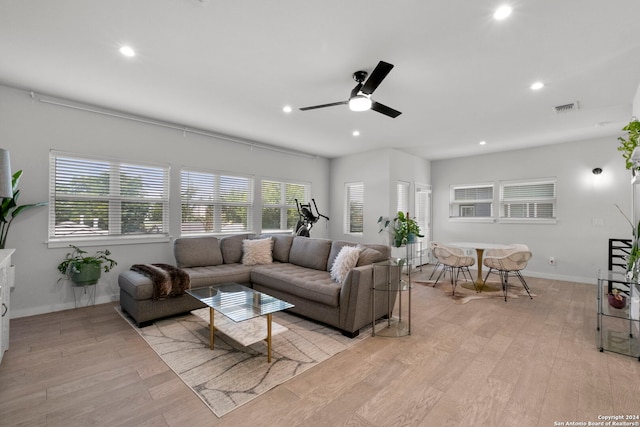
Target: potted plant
403, 228
9, 209
84, 270
630, 143
633, 268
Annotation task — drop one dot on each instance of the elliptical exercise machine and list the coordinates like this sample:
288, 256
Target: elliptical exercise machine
307, 218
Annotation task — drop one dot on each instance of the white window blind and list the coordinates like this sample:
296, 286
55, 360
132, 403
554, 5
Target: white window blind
103, 198
528, 200
215, 203
279, 211
471, 201
423, 209
402, 194
354, 208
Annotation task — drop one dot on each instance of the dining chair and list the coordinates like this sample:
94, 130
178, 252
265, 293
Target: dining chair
432, 245
514, 261
455, 261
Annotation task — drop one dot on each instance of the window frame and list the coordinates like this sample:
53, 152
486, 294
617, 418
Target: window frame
115, 198
348, 186
216, 203
455, 204
282, 204
530, 199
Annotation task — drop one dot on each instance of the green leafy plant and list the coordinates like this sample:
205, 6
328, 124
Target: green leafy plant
627, 145
77, 261
635, 247
402, 228
9, 209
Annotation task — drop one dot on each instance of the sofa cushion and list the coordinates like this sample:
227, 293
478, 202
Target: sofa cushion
231, 248
383, 250
346, 260
257, 251
223, 273
368, 256
281, 246
197, 251
310, 252
336, 247
310, 284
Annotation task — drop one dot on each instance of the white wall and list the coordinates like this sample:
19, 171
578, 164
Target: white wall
578, 244
379, 170
29, 129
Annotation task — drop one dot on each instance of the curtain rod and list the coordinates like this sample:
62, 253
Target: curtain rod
167, 125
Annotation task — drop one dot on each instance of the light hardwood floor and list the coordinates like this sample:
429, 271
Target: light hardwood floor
486, 363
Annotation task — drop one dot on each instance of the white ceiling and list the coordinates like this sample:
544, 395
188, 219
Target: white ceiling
230, 66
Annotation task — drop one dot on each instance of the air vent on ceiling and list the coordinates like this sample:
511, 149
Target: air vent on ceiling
566, 107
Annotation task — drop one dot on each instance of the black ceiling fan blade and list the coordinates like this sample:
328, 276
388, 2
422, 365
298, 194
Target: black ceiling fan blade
383, 109
333, 104
376, 77
355, 90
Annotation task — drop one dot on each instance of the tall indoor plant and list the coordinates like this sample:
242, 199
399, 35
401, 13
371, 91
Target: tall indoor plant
9, 209
403, 229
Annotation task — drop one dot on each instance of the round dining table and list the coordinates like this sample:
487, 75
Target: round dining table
480, 248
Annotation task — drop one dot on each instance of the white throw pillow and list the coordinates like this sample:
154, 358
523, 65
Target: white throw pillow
347, 259
257, 252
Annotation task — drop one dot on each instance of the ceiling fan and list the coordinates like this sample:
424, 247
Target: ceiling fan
360, 99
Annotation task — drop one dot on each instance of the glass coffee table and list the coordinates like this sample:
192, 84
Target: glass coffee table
235, 311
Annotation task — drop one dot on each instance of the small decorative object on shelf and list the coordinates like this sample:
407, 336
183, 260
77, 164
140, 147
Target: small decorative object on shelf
617, 299
85, 270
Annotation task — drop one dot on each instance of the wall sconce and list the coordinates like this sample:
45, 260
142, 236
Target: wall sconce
6, 185
597, 171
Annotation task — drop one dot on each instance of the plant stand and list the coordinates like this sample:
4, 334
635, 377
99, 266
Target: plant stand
618, 329
400, 324
84, 296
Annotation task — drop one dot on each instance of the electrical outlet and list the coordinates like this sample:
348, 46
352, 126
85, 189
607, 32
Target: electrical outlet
552, 260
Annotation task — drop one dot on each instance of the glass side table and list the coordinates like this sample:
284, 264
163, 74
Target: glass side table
388, 284
618, 322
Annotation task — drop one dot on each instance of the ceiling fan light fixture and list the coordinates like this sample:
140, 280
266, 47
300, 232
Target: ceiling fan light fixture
502, 12
360, 103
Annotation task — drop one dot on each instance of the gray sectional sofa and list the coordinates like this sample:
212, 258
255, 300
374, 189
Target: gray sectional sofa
299, 273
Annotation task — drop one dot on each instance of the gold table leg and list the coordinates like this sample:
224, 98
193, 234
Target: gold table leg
212, 328
269, 338
479, 253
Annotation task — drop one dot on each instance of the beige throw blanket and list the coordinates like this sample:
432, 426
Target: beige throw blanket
168, 281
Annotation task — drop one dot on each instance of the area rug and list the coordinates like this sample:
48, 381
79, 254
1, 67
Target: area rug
466, 292
231, 375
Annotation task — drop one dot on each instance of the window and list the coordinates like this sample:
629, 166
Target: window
531, 200
402, 191
471, 201
354, 208
216, 203
423, 209
279, 210
93, 198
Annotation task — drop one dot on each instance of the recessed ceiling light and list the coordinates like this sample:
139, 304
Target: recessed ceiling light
482, 142
537, 86
287, 109
356, 133
502, 12
127, 51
